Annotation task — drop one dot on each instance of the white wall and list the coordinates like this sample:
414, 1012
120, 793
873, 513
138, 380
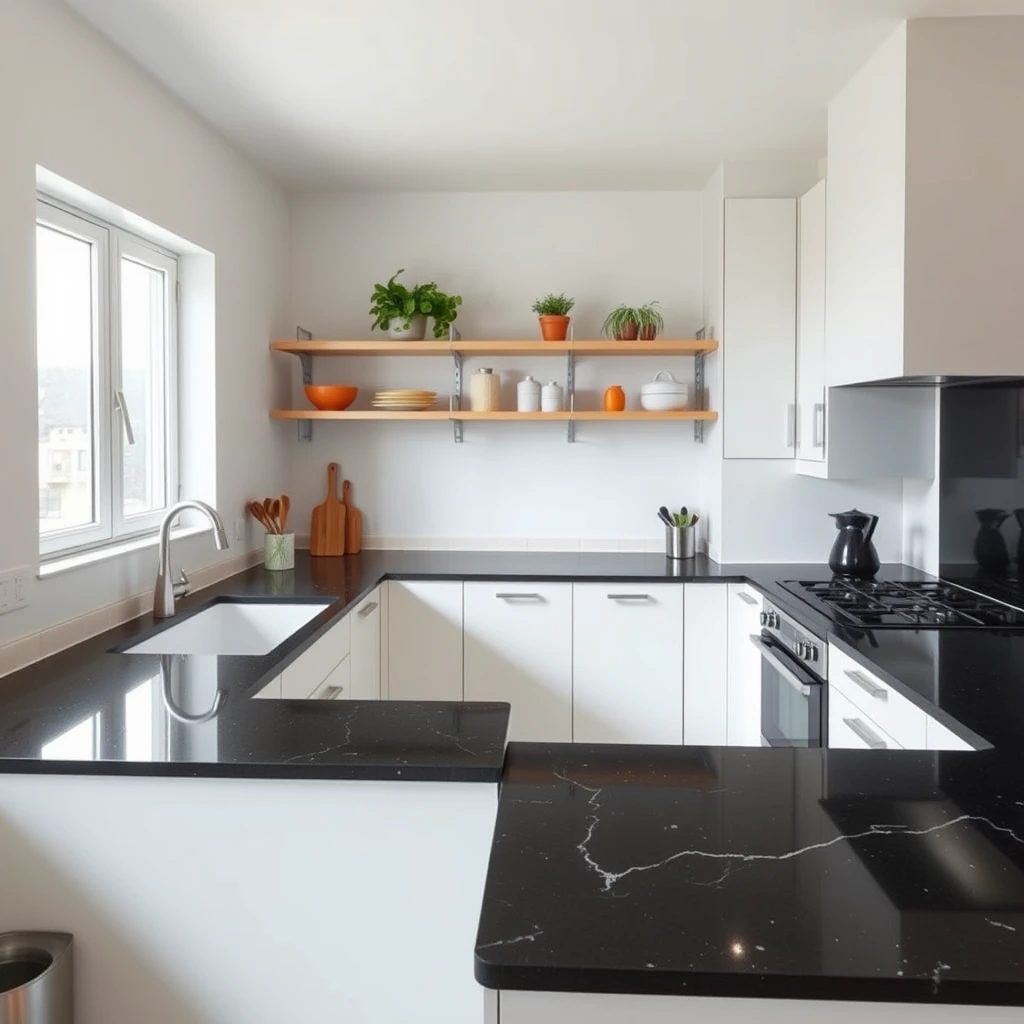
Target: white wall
73, 104
501, 251
243, 901
866, 212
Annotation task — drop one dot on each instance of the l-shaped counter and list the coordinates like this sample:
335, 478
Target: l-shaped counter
644, 871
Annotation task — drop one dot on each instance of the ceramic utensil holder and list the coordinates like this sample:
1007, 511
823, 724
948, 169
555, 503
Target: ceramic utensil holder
680, 542
279, 551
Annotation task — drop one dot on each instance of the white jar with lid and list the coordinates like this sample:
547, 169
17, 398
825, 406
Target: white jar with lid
528, 395
485, 390
551, 397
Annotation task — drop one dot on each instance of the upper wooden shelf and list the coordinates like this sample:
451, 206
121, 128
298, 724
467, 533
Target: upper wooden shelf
385, 347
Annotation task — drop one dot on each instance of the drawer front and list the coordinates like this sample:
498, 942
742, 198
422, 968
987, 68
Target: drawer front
849, 728
903, 721
313, 666
338, 685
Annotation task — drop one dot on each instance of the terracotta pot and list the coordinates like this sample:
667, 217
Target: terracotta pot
628, 332
648, 333
554, 328
614, 399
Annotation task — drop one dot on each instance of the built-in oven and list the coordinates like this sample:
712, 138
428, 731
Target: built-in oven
793, 673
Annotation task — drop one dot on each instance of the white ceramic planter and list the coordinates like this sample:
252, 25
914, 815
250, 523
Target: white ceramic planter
416, 331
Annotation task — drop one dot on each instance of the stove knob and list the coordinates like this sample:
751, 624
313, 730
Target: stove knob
803, 651
773, 620
763, 617
812, 652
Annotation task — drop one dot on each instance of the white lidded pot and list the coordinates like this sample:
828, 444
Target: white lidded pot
528, 395
551, 397
664, 393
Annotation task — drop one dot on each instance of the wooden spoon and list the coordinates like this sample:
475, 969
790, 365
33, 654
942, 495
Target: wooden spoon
275, 514
286, 507
256, 511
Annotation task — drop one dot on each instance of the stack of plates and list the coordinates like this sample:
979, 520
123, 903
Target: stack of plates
405, 400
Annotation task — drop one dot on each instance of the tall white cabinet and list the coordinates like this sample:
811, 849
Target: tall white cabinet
810, 348
627, 663
705, 689
759, 329
518, 648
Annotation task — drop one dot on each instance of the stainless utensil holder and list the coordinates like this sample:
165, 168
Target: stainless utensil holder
35, 978
680, 541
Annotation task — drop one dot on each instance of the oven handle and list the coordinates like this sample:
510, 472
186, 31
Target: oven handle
777, 663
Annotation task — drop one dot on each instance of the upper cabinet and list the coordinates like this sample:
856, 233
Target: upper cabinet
924, 206
810, 352
759, 328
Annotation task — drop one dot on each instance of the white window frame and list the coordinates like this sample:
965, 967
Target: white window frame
109, 245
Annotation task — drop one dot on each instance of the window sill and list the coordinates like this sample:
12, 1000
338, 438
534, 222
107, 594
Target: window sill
62, 564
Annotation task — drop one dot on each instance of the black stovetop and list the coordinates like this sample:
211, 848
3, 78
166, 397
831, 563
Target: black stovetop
887, 604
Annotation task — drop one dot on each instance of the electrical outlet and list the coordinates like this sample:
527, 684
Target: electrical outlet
6, 594
240, 530
22, 579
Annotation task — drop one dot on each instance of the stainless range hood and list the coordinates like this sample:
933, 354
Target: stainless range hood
939, 382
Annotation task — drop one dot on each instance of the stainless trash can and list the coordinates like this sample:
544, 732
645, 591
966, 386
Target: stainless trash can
35, 978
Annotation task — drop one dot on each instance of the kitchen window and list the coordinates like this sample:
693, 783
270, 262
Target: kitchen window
106, 340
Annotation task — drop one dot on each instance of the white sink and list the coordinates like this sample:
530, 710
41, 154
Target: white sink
232, 627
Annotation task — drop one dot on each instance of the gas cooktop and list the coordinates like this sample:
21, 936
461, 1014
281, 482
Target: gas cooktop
886, 604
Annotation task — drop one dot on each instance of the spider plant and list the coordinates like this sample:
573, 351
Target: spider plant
649, 321
622, 323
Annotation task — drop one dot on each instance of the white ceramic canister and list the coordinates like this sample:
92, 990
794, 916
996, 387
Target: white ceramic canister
551, 397
485, 390
528, 395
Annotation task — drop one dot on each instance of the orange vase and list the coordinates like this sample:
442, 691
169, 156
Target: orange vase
614, 399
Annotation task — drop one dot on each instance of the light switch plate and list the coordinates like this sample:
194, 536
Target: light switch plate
15, 588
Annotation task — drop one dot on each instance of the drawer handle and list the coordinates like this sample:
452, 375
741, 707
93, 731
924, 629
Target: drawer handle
869, 686
629, 597
519, 597
744, 596
871, 738
330, 693
366, 609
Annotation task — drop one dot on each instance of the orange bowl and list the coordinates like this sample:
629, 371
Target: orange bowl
331, 397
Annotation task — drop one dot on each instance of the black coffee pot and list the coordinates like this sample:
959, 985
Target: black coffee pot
853, 554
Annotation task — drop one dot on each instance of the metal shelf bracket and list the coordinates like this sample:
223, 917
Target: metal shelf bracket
698, 386
570, 393
305, 427
456, 399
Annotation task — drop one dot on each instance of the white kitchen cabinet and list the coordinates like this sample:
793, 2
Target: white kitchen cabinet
338, 685
810, 334
759, 329
365, 656
850, 728
306, 673
743, 701
705, 672
627, 663
272, 691
939, 737
425, 640
518, 648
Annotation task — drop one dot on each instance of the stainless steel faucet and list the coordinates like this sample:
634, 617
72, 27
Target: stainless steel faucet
166, 590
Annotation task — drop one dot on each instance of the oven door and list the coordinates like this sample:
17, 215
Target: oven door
792, 697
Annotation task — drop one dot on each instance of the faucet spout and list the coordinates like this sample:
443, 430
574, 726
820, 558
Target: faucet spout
163, 594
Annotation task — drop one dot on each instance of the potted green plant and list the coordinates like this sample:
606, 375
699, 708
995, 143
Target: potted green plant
402, 311
649, 321
553, 313
622, 323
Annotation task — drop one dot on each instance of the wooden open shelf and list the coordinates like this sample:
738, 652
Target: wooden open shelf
507, 415
383, 347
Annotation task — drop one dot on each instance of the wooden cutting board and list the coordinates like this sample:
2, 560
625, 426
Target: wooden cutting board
327, 532
353, 521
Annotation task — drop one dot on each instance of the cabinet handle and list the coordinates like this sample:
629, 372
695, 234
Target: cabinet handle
791, 425
366, 609
862, 732
869, 686
819, 424
629, 597
744, 596
329, 693
519, 597
791, 677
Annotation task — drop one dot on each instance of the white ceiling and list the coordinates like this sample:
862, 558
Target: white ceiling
510, 94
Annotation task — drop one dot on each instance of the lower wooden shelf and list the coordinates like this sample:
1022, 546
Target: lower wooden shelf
510, 415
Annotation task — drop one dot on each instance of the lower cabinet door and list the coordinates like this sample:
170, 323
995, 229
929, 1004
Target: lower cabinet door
365, 656
425, 640
304, 675
705, 682
518, 648
338, 685
743, 703
627, 663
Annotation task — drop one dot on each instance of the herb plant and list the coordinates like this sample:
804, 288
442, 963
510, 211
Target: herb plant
648, 319
395, 301
620, 321
553, 305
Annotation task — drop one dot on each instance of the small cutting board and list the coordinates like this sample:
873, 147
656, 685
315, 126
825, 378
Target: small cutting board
327, 532
353, 521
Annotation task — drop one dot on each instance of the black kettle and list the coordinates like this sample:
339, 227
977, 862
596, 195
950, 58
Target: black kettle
853, 554
989, 544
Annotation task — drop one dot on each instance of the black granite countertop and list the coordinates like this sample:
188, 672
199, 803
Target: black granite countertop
816, 874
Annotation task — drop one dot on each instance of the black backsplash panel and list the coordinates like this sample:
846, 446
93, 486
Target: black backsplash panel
981, 479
